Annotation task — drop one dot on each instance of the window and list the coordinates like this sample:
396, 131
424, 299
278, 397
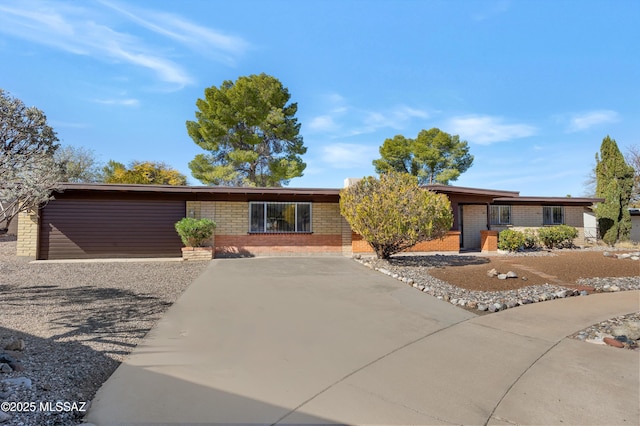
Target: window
279, 217
500, 215
553, 215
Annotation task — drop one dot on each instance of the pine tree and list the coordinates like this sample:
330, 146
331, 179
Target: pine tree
614, 183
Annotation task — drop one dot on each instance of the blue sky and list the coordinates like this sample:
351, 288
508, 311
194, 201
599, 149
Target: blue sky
533, 86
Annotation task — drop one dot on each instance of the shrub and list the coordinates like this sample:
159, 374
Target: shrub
394, 213
195, 232
557, 236
510, 240
530, 238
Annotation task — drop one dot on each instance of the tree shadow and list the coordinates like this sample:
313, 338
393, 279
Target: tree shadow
227, 252
58, 372
114, 317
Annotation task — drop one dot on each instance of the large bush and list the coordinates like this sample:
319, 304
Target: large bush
511, 240
557, 236
195, 232
393, 213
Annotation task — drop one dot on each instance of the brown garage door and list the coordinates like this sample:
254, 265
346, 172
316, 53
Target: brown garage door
76, 229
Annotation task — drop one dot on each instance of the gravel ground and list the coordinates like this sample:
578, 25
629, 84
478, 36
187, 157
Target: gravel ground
78, 321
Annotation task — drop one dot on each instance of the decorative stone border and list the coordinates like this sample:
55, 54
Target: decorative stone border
491, 301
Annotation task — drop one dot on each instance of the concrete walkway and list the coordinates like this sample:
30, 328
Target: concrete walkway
326, 340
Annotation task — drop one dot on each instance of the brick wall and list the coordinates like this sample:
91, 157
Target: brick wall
232, 238
28, 228
488, 240
450, 242
278, 245
523, 217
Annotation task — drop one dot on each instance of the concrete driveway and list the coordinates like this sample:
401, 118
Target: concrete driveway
326, 340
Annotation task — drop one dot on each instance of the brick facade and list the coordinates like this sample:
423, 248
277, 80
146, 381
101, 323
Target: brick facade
530, 217
488, 241
450, 242
232, 237
28, 228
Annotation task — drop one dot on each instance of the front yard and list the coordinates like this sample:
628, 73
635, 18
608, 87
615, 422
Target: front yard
78, 321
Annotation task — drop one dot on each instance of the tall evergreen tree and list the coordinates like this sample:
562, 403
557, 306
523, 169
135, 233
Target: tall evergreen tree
433, 157
614, 183
251, 133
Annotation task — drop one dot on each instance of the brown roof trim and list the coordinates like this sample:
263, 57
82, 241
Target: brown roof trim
111, 187
461, 190
563, 201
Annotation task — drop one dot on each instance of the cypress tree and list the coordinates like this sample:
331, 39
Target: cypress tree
614, 183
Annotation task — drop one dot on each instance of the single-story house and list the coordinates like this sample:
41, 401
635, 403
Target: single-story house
115, 220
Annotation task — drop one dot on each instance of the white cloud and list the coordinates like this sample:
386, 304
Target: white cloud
348, 155
190, 34
584, 121
394, 118
84, 31
322, 123
123, 102
485, 130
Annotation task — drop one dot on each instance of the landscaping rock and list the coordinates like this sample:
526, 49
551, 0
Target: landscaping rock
635, 258
512, 274
613, 342
15, 345
16, 366
631, 330
561, 294
584, 293
614, 288
17, 381
5, 368
482, 307
421, 287
472, 304
524, 278
502, 276
492, 273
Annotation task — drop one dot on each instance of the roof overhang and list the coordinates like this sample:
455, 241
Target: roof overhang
196, 193
461, 190
548, 201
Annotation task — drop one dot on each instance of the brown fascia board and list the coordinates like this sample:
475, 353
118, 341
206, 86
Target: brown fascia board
461, 190
197, 190
549, 201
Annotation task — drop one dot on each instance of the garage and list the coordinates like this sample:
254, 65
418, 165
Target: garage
109, 228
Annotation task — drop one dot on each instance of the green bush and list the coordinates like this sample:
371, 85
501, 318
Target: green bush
195, 232
530, 238
557, 236
393, 213
511, 240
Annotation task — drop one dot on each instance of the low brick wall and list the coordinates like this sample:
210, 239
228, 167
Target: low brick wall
489, 240
450, 242
197, 253
278, 245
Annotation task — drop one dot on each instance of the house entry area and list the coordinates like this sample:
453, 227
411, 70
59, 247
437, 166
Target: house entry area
474, 220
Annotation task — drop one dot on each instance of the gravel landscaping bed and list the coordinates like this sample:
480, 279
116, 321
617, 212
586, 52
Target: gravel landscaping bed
67, 326
469, 275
